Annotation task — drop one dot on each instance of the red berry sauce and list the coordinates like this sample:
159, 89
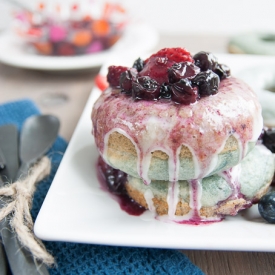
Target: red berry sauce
112, 180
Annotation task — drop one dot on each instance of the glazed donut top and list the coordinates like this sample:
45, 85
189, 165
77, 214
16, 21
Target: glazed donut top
203, 127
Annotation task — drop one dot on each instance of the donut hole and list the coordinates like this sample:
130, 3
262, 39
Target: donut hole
267, 81
270, 86
268, 38
261, 78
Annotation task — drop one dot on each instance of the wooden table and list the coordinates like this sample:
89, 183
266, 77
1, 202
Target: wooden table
65, 95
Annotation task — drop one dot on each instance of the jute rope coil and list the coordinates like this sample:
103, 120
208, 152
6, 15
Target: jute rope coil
21, 195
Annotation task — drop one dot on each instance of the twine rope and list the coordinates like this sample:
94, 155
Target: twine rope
20, 194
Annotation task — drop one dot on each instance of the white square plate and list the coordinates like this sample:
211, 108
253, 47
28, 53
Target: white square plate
76, 209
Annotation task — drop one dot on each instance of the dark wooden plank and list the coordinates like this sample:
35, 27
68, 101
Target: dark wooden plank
233, 263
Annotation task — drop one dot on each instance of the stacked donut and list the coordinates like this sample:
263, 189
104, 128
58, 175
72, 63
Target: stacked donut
186, 134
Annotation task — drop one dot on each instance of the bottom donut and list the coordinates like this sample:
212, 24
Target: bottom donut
212, 197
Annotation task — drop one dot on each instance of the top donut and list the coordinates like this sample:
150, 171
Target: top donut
175, 116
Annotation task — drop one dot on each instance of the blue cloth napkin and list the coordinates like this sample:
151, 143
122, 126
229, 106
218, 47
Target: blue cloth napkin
75, 258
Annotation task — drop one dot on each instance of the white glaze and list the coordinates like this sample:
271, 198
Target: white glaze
231, 176
148, 195
203, 127
172, 198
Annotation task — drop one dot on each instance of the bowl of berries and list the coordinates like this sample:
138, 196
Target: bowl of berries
69, 30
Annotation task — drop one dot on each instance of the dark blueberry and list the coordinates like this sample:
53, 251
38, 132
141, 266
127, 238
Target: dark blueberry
182, 70
113, 75
266, 207
165, 91
138, 64
126, 79
205, 61
183, 92
269, 139
145, 88
116, 181
207, 82
222, 71
114, 178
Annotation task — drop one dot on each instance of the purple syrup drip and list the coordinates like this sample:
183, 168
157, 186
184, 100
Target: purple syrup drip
112, 181
196, 215
198, 222
196, 219
233, 183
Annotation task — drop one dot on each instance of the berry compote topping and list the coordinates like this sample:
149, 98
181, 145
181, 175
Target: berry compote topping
113, 75
171, 74
206, 61
182, 70
138, 64
174, 55
222, 71
208, 83
145, 88
165, 91
126, 79
183, 92
157, 65
113, 180
156, 68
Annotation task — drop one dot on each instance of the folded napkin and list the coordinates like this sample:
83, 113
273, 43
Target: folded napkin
75, 258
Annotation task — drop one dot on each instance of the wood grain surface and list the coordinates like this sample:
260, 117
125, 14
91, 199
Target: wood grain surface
65, 95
